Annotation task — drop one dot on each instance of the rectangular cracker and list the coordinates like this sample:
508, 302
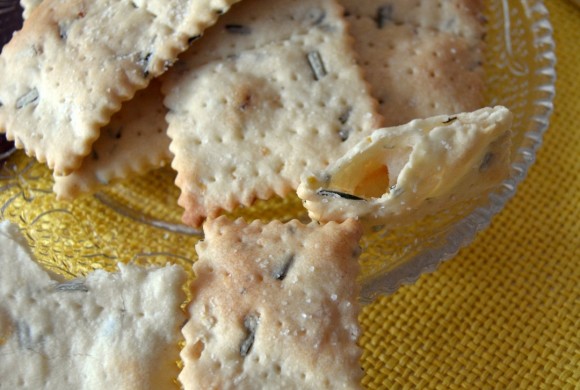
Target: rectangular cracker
116, 331
274, 306
249, 118
74, 62
421, 57
134, 142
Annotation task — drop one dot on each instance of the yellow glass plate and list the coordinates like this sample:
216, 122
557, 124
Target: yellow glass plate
139, 220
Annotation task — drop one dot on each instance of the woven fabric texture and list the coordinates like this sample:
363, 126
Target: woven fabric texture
505, 312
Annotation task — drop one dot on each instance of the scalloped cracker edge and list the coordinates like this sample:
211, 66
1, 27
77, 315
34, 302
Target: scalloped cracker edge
248, 116
134, 142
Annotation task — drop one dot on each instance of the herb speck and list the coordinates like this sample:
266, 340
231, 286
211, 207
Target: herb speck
316, 65
250, 324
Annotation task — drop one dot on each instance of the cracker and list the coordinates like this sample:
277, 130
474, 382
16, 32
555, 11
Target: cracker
117, 331
401, 174
133, 143
27, 6
421, 57
274, 307
74, 62
247, 123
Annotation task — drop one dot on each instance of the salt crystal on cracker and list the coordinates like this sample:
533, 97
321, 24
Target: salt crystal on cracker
274, 306
247, 118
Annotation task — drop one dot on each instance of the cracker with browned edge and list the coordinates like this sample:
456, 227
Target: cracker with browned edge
274, 306
277, 94
421, 57
74, 62
106, 331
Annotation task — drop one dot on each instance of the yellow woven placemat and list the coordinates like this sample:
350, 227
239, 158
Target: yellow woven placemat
504, 313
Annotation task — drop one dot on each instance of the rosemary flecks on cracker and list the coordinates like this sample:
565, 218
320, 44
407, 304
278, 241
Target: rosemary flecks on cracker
250, 324
281, 273
384, 15
316, 64
334, 194
72, 286
29, 97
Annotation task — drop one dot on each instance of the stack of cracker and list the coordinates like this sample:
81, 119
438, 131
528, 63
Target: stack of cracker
273, 90
260, 98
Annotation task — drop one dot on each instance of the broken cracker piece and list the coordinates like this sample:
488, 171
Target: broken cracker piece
401, 174
117, 331
246, 123
274, 306
73, 64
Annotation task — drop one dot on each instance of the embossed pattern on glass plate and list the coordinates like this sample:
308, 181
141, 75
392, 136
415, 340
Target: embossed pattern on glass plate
139, 220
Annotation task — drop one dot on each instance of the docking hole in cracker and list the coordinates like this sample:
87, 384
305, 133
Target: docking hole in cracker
400, 174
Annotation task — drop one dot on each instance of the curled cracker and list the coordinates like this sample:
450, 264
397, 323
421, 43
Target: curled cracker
400, 174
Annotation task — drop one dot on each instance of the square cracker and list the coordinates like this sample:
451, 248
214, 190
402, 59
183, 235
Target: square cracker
73, 63
116, 331
249, 116
421, 57
274, 306
135, 141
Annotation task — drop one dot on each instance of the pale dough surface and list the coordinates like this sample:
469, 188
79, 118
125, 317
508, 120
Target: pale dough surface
134, 142
274, 307
249, 112
107, 331
401, 174
421, 57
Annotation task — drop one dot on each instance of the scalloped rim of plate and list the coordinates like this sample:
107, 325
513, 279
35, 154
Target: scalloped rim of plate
465, 231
